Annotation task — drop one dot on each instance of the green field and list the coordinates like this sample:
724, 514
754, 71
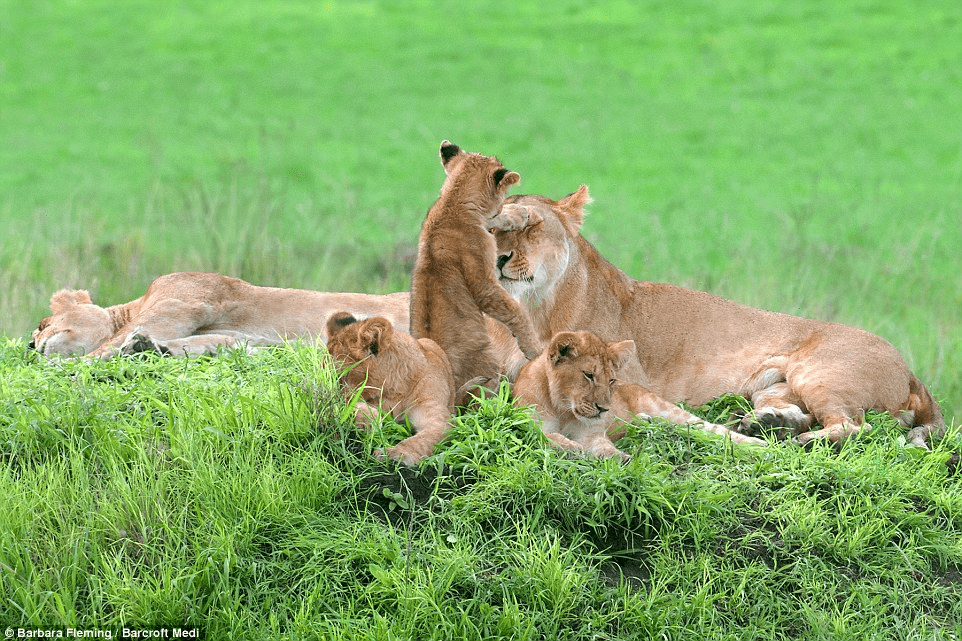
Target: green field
803, 157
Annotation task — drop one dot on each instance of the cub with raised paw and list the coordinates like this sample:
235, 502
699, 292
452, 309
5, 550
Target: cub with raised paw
455, 278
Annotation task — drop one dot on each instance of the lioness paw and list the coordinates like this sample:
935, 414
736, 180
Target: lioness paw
137, 343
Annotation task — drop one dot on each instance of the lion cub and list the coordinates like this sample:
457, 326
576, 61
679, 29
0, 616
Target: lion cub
455, 277
407, 378
574, 387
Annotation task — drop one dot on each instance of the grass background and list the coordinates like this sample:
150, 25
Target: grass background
804, 158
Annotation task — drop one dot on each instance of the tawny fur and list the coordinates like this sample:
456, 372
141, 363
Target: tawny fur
455, 278
405, 377
574, 388
188, 314
693, 346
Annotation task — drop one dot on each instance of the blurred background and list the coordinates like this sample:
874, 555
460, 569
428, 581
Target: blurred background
803, 157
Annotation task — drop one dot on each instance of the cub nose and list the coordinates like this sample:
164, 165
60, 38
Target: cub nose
31, 344
503, 260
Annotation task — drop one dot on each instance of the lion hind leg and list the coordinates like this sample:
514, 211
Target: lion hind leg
777, 407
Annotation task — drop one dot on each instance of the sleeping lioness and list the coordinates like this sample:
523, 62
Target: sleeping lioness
192, 313
402, 376
574, 388
693, 346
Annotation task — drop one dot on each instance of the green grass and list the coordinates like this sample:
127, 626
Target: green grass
229, 494
802, 158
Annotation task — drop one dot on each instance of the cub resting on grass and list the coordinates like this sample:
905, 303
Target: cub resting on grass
192, 313
693, 346
575, 391
406, 377
454, 277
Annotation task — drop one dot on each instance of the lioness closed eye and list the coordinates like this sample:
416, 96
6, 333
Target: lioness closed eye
402, 376
574, 388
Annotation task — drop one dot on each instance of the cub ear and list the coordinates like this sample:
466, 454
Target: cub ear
338, 321
573, 209
449, 151
622, 353
376, 334
564, 347
504, 178
65, 299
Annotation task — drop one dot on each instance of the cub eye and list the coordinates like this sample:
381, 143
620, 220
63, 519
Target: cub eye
612, 382
590, 376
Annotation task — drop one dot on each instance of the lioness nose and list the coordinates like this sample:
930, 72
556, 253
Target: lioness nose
503, 259
601, 410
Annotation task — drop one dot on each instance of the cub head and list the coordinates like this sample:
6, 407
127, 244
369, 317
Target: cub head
357, 345
582, 370
532, 260
483, 176
77, 326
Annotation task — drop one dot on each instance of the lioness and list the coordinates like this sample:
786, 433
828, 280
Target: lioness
187, 314
454, 277
405, 377
574, 388
693, 346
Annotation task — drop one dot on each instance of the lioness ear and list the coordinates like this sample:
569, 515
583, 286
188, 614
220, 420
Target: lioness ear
622, 352
65, 299
378, 331
449, 151
573, 208
338, 321
504, 178
564, 346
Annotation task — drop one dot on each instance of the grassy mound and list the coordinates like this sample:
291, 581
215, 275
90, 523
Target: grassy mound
233, 494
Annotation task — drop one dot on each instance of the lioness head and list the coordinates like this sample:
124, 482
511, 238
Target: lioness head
477, 176
531, 260
76, 327
582, 369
